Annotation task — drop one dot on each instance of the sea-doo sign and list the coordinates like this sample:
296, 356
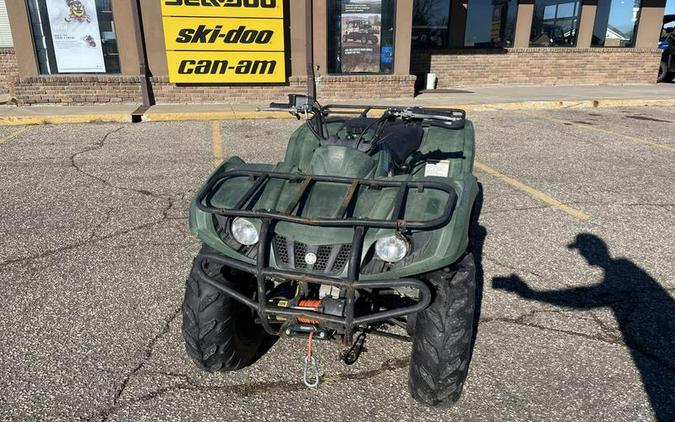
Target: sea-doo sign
224, 41
224, 8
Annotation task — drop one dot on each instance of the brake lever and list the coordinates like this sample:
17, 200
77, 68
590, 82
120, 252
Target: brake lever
289, 109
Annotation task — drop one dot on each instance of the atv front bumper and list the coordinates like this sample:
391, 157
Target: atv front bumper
349, 322
263, 272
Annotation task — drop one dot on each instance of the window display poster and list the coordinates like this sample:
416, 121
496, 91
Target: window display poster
361, 35
76, 36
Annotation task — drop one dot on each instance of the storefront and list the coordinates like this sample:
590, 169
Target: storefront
183, 51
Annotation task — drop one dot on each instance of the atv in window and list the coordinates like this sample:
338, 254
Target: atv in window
667, 44
361, 229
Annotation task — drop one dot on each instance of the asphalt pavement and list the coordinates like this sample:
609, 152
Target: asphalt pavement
576, 239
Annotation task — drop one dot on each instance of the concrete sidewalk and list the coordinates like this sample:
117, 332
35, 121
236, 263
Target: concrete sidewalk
36, 115
470, 99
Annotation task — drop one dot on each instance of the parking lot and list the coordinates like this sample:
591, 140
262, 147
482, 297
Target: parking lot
94, 251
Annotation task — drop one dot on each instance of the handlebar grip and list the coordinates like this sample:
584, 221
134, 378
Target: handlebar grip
279, 105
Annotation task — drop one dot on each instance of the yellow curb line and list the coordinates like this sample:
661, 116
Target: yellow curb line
567, 104
13, 135
213, 115
152, 116
605, 131
187, 116
58, 120
525, 105
257, 115
532, 192
216, 143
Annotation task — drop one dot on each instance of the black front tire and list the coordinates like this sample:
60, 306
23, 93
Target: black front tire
220, 333
442, 336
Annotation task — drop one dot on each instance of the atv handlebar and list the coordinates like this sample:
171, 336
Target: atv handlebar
279, 105
314, 114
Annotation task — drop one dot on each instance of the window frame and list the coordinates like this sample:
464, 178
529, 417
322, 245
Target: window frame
575, 17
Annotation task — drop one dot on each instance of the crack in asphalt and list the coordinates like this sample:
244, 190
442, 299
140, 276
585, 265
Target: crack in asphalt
611, 339
106, 218
509, 267
612, 336
181, 244
93, 238
245, 389
88, 241
104, 414
96, 146
604, 301
521, 320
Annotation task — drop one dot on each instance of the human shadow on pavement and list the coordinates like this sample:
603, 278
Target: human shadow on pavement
644, 311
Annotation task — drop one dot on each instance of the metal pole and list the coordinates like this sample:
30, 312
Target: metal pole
309, 37
146, 87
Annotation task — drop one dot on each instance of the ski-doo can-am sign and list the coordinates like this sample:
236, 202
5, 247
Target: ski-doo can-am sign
224, 41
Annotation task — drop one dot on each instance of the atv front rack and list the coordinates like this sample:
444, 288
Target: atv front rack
260, 178
263, 271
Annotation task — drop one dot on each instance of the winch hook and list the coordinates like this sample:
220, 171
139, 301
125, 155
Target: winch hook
310, 372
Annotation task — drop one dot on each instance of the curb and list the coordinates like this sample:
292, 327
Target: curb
514, 106
60, 119
566, 104
158, 116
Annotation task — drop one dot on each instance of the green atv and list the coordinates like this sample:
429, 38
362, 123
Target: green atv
362, 229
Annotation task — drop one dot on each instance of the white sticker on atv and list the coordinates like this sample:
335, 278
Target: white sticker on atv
437, 168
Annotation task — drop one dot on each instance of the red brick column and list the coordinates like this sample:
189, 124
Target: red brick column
9, 71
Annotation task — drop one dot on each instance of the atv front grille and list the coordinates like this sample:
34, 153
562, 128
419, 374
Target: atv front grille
330, 259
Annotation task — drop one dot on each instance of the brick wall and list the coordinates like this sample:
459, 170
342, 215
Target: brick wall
538, 66
329, 87
8, 70
337, 87
96, 89
542, 66
168, 93
78, 89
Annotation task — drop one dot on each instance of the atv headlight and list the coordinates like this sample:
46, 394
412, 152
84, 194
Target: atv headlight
244, 231
393, 248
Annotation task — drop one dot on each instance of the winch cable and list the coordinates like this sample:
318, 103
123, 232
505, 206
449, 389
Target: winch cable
310, 373
309, 304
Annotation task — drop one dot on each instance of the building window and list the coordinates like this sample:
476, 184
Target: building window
668, 29
74, 36
490, 23
615, 23
361, 36
555, 23
5, 31
431, 19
